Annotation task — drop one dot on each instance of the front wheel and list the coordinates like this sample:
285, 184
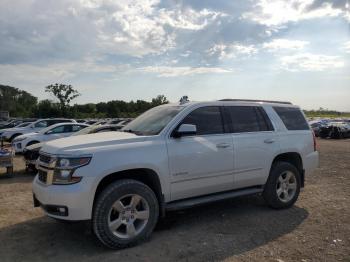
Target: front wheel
125, 213
283, 185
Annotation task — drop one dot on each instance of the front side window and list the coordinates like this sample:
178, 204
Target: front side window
153, 121
249, 119
57, 130
292, 118
208, 120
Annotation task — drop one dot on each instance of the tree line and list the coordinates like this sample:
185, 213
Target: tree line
23, 104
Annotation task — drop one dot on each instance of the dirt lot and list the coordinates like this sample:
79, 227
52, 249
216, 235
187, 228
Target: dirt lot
317, 228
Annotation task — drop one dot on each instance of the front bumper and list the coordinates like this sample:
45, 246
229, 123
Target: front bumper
18, 147
76, 198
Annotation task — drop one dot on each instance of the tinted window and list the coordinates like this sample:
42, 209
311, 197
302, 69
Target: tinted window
264, 120
249, 119
292, 118
41, 124
57, 130
208, 120
76, 128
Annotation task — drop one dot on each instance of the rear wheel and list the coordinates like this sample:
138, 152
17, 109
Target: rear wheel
283, 185
125, 214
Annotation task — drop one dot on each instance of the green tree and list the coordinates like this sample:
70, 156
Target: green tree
47, 108
159, 100
18, 102
64, 93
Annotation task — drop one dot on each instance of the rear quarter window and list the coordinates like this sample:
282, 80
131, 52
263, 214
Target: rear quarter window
292, 118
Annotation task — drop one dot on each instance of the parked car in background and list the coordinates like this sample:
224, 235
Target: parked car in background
11, 133
336, 130
115, 121
175, 156
96, 129
24, 124
31, 153
47, 134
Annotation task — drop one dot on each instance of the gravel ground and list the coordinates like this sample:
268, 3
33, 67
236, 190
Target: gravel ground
317, 228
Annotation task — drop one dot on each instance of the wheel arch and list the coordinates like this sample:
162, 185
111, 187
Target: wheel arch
293, 158
14, 136
145, 175
32, 142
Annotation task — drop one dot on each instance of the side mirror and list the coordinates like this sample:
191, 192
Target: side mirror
185, 130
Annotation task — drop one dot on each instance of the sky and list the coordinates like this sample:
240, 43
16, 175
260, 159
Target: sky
290, 50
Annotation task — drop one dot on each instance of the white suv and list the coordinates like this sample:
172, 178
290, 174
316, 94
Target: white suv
175, 156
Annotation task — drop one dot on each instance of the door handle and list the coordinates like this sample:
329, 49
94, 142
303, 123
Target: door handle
269, 141
223, 145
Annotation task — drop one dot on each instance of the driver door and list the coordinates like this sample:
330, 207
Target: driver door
203, 163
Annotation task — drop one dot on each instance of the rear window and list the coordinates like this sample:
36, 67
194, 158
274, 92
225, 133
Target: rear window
249, 119
292, 118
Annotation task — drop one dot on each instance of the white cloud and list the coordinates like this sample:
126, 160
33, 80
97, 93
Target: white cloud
56, 72
188, 18
311, 62
167, 71
279, 12
280, 43
140, 27
347, 47
223, 51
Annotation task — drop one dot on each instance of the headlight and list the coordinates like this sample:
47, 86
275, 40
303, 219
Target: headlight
72, 163
64, 170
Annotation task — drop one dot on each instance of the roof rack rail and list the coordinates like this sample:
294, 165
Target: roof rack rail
252, 100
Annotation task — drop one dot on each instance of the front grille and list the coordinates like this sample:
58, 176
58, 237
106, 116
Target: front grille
31, 155
42, 175
45, 159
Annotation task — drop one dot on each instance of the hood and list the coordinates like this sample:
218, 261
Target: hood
87, 144
14, 129
25, 135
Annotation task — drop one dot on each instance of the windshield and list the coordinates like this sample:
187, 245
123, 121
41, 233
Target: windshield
86, 130
152, 121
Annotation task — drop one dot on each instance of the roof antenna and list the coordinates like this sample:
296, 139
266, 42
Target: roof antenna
184, 100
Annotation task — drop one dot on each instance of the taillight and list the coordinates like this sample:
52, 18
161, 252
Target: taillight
315, 144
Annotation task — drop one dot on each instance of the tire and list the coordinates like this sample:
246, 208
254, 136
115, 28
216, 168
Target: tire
31, 169
283, 185
114, 206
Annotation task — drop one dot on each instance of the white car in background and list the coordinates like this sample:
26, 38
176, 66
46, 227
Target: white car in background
10, 133
47, 134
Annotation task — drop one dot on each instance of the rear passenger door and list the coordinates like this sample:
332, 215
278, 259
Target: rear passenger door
203, 163
254, 142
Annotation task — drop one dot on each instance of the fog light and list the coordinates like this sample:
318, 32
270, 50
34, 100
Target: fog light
65, 173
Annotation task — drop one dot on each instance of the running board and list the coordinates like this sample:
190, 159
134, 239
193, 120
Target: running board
191, 202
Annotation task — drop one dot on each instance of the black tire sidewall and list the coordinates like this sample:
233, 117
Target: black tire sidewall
270, 194
106, 199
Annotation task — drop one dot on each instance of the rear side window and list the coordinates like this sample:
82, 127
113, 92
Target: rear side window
248, 119
292, 118
208, 120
